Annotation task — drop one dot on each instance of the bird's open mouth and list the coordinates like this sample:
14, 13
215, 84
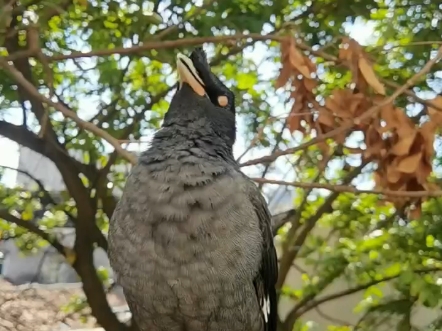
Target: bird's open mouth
188, 74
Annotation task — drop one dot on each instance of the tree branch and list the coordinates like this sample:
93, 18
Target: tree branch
280, 219
24, 69
33, 228
26, 138
163, 44
47, 196
19, 78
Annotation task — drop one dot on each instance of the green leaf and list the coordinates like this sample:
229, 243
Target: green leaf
246, 81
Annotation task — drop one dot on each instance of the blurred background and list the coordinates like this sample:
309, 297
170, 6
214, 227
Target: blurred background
338, 120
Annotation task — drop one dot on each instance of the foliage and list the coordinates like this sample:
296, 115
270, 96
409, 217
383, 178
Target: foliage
85, 79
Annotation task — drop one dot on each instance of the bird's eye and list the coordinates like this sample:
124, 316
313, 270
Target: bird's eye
223, 101
218, 99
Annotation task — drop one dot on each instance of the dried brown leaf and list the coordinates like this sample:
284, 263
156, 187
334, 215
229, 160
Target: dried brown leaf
371, 135
301, 68
410, 163
388, 115
332, 103
310, 84
428, 132
348, 49
284, 76
355, 103
293, 123
344, 53
310, 65
369, 75
402, 147
373, 141
298, 105
340, 139
377, 177
423, 172
293, 120
326, 118
393, 175
404, 125
337, 103
297, 61
436, 115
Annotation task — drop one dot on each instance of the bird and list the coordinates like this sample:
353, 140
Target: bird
190, 240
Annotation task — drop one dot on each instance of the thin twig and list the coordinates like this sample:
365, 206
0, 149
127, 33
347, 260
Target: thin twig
416, 43
331, 318
257, 137
350, 189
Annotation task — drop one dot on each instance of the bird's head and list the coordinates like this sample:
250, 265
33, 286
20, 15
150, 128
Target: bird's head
202, 98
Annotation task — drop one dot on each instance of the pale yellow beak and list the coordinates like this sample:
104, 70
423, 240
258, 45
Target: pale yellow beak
188, 74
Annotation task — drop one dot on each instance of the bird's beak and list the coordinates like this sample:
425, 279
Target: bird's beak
188, 74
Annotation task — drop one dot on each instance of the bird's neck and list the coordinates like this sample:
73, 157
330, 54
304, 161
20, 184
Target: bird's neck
177, 141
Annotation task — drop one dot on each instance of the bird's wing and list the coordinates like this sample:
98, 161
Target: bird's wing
266, 278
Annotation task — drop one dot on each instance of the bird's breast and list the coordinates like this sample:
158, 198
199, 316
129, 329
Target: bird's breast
191, 217
185, 241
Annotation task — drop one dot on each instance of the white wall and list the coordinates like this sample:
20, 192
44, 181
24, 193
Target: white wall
41, 168
45, 266
45, 170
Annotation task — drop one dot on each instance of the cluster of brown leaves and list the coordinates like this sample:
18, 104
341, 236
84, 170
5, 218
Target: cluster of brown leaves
300, 71
402, 149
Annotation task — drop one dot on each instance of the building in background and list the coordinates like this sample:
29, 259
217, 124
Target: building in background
44, 266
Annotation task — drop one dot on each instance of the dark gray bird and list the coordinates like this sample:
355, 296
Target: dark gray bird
190, 240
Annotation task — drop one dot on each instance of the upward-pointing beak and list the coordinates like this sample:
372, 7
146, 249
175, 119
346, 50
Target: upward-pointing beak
188, 74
